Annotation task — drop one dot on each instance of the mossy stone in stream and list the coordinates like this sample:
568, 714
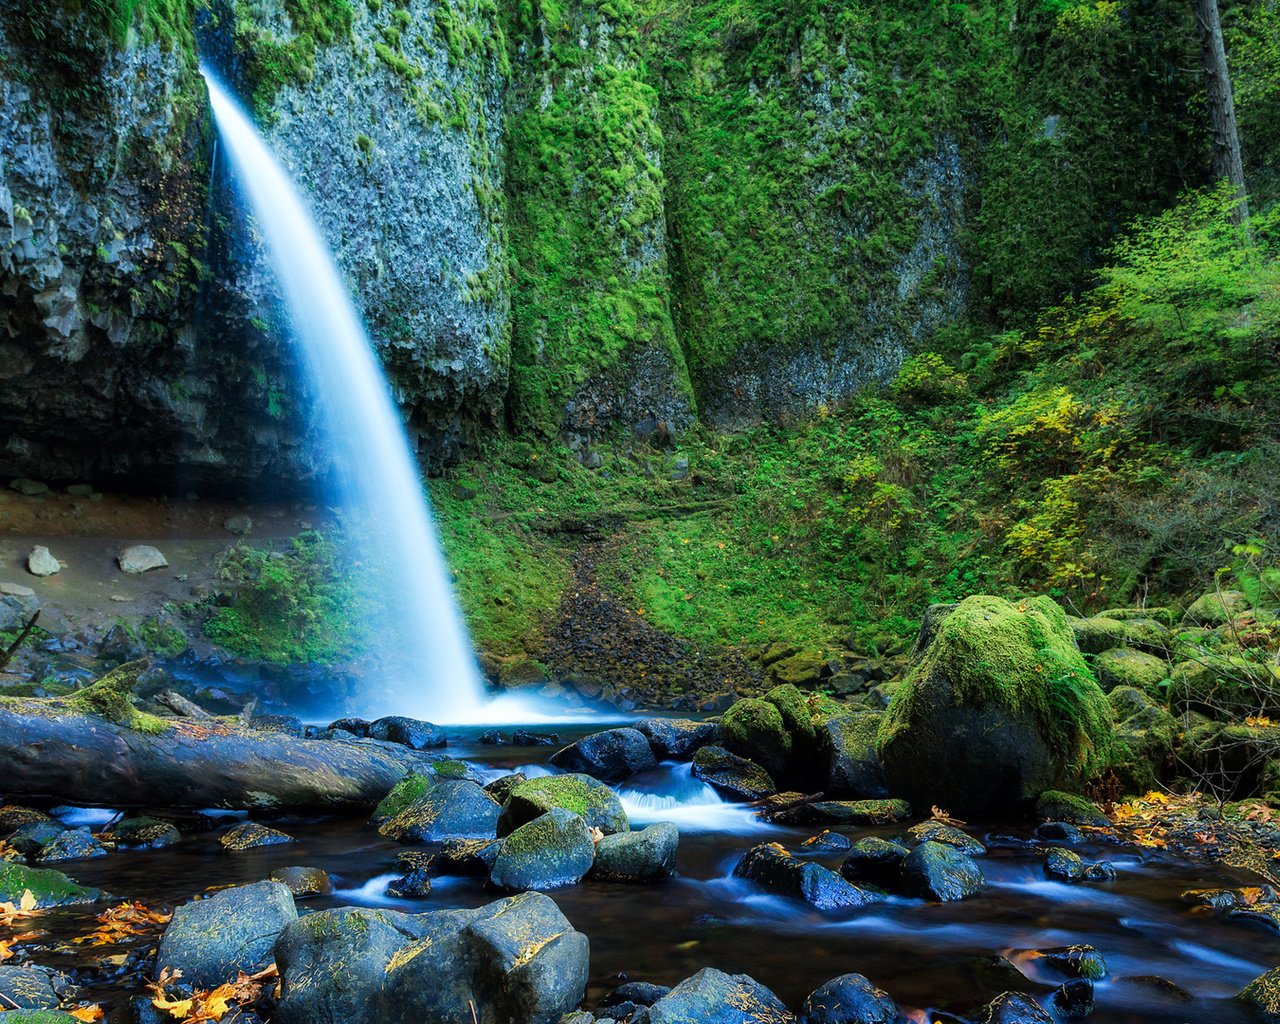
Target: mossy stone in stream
940, 832
1056, 805
713, 997
845, 812
1078, 961
233, 930
872, 859
849, 999
50, 888
452, 809
13, 815
849, 755
402, 794
644, 856
1143, 745
145, 833
1262, 996
29, 987
304, 881
1124, 666
737, 777
794, 709
935, 871
251, 835
755, 729
71, 845
552, 851
1000, 707
612, 755
585, 796
28, 839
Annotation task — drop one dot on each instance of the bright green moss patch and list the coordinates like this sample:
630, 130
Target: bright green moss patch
405, 792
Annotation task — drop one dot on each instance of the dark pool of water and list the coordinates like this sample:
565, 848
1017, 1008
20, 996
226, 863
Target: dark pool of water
928, 956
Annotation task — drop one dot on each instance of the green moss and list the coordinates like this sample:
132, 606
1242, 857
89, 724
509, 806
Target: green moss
1056, 805
50, 888
404, 793
273, 60
1123, 666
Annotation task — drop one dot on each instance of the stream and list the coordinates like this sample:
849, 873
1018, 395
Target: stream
1169, 960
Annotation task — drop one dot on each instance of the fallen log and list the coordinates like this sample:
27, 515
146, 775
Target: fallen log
79, 757
179, 705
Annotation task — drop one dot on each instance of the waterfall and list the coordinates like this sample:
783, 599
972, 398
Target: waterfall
440, 680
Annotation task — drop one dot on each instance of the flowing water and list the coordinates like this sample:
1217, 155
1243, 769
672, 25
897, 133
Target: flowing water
439, 679
1170, 963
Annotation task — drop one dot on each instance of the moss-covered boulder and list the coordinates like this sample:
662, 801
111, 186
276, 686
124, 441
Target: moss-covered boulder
849, 756
1095, 635
251, 836
935, 871
1228, 757
587, 797
1143, 747
552, 851
644, 856
612, 755
143, 833
1056, 805
1148, 635
233, 930
804, 669
845, 812
1226, 685
1216, 609
999, 707
1262, 997
1125, 666
453, 809
1165, 615
677, 739
793, 706
49, 887
872, 859
405, 792
755, 729
737, 777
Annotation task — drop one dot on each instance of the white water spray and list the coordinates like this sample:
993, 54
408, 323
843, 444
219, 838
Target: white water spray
442, 681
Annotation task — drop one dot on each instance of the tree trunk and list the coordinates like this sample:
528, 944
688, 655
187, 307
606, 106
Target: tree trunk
81, 758
1227, 161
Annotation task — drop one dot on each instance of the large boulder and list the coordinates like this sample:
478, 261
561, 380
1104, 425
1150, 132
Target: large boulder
677, 739
587, 797
518, 959
410, 732
549, 852
845, 812
1013, 1008
332, 964
18, 604
402, 794
1224, 685
612, 755
872, 859
28, 987
793, 706
732, 775
849, 999
1143, 744
936, 871
755, 729
1124, 666
850, 759
772, 868
1262, 997
48, 887
1216, 609
644, 856
233, 930
999, 707
140, 558
713, 997
451, 809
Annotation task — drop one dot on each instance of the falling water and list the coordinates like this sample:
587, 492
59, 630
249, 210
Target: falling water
441, 680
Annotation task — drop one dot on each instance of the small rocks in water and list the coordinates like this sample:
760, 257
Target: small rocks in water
410, 732
844, 812
1013, 1008
611, 756
848, 999
677, 739
1262, 996
591, 799
644, 856
28, 987
28, 488
450, 809
713, 997
303, 881
774, 869
1060, 832
828, 840
525, 738
872, 859
145, 833
233, 930
239, 524
49, 887
552, 851
251, 835
935, 871
40, 562
1065, 866
1079, 961
941, 832
465, 856
732, 775
30, 838
140, 558
1074, 999
416, 881
71, 845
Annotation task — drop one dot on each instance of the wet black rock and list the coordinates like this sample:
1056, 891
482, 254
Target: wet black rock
1262, 996
774, 869
848, 999
525, 738
552, 851
451, 809
409, 732
949, 835
1013, 1008
287, 725
354, 726
734, 776
28, 987
612, 755
250, 836
1064, 866
70, 845
828, 840
677, 739
145, 833
872, 859
634, 993
935, 871
713, 997
415, 883
845, 812
1074, 999
493, 738
645, 856
588, 797
851, 765
466, 856
233, 930
1060, 832
30, 838
1078, 961
304, 881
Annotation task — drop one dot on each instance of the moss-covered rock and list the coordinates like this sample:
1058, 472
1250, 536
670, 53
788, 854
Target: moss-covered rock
804, 670
849, 756
50, 888
736, 777
1216, 609
1095, 635
1262, 996
1165, 615
935, 871
587, 797
1143, 746
846, 812
644, 856
756, 730
1124, 666
1056, 805
549, 852
251, 836
1000, 707
1219, 684
405, 792
796, 716
1148, 635
452, 809
1228, 757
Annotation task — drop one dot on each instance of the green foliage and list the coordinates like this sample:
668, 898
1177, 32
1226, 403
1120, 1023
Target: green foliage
274, 60
926, 378
298, 605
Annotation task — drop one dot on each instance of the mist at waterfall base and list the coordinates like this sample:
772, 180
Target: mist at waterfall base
432, 673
